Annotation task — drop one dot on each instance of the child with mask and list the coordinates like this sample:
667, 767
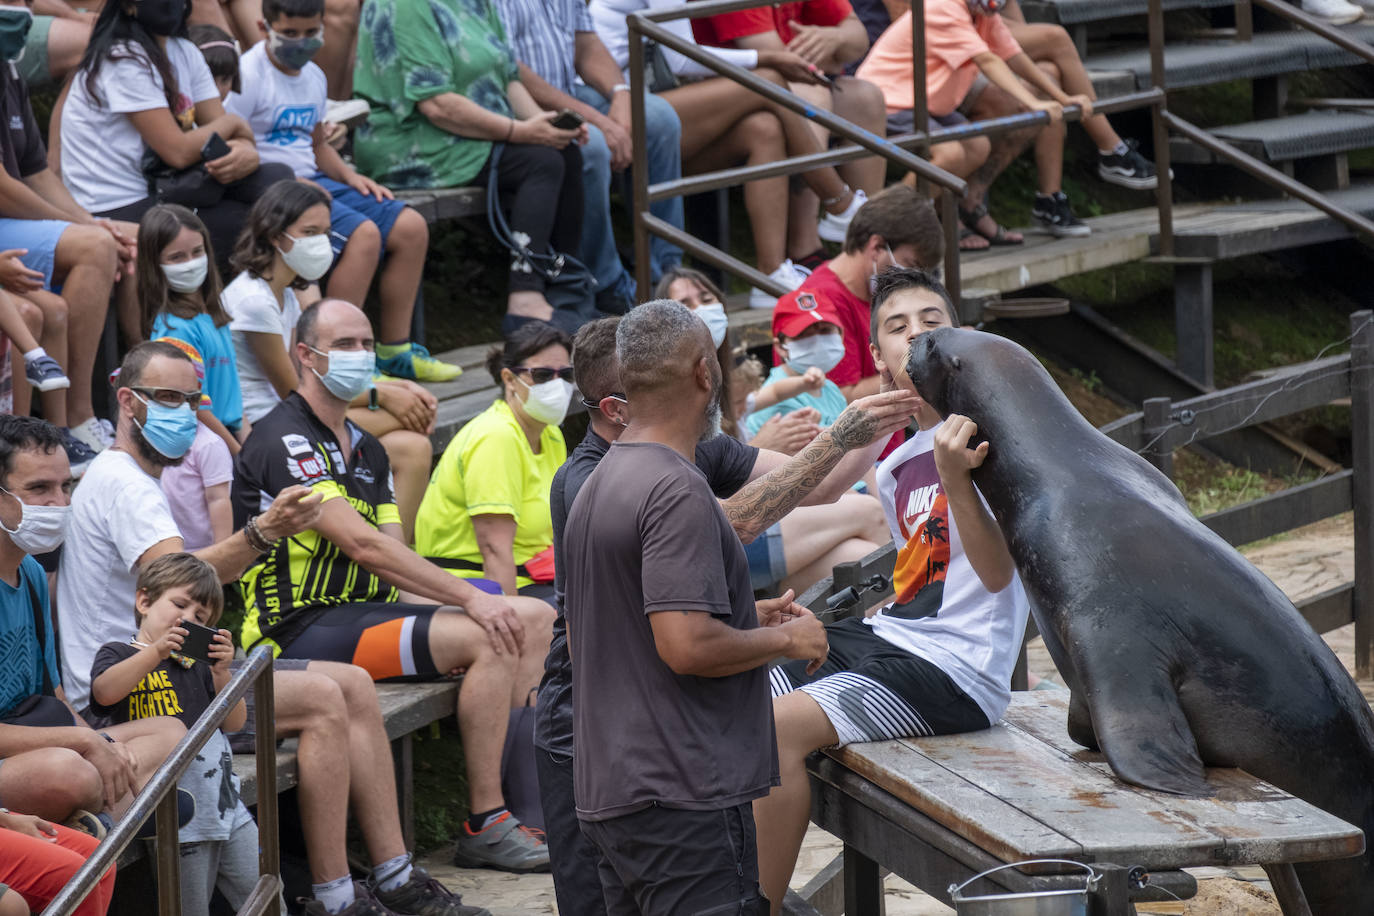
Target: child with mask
810, 342
282, 96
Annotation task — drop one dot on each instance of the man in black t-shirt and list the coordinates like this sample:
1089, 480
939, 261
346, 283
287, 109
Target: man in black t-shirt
819, 474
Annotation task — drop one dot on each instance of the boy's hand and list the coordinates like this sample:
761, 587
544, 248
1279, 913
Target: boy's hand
335, 134
170, 642
1083, 102
1050, 107
952, 454
14, 276
369, 188
814, 378
221, 650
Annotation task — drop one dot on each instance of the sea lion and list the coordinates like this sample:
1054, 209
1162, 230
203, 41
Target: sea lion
1178, 651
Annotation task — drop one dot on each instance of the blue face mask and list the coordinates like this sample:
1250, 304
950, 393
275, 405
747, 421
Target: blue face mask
170, 430
350, 372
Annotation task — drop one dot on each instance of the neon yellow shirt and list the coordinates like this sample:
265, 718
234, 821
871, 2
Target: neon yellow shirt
490, 469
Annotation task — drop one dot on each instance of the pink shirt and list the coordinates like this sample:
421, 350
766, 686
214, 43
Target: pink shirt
207, 463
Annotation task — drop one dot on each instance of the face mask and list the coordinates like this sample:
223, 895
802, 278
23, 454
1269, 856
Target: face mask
41, 528
15, 22
310, 256
823, 351
161, 17
873, 276
548, 401
293, 53
350, 372
170, 430
716, 321
187, 276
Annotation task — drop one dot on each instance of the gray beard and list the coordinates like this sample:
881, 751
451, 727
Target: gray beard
712, 419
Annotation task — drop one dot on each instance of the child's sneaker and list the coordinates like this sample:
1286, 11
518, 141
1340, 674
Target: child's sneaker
506, 845
79, 454
94, 433
1129, 169
45, 374
363, 905
1053, 214
412, 361
833, 226
421, 895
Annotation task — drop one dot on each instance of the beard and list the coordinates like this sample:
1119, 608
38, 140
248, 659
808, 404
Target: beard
150, 454
711, 419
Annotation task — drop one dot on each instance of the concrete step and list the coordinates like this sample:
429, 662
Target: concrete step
1312, 133
1075, 12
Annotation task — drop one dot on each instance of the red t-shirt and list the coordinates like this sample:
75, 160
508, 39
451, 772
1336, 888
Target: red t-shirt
853, 314
721, 30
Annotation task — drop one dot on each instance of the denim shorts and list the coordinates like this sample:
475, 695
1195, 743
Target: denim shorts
349, 210
40, 237
767, 565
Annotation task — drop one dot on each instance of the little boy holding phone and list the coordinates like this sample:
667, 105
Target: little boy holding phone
174, 666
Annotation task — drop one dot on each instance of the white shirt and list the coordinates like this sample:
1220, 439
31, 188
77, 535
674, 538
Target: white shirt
282, 110
252, 307
118, 512
609, 17
976, 635
102, 152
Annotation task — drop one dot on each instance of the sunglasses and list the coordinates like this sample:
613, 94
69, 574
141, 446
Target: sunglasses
171, 397
539, 374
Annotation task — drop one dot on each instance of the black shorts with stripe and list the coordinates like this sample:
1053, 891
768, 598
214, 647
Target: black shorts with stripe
872, 690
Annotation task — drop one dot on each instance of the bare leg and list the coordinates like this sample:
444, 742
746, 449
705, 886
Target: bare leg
803, 206
1049, 147
24, 328
11, 904
1043, 41
992, 102
85, 264
357, 264
780, 817
756, 138
537, 617
410, 454
53, 338
340, 45
51, 783
151, 742
399, 283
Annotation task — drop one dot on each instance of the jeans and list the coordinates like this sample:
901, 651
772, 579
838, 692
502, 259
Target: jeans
664, 152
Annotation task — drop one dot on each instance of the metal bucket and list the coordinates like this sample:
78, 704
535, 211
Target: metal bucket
1071, 902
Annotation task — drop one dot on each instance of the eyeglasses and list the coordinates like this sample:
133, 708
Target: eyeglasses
171, 397
540, 374
596, 405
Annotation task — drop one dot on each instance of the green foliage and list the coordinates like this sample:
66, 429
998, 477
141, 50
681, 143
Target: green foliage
441, 785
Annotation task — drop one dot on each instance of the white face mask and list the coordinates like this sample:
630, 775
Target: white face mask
824, 351
548, 401
41, 528
716, 321
310, 256
187, 276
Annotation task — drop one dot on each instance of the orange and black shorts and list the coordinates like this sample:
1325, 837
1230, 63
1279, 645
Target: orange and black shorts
388, 639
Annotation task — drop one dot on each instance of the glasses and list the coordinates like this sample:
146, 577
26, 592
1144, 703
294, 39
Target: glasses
596, 405
540, 374
171, 397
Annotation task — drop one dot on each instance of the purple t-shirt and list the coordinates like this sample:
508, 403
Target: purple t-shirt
207, 463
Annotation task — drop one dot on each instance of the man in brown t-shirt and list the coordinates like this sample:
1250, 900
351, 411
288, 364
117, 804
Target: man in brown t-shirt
673, 725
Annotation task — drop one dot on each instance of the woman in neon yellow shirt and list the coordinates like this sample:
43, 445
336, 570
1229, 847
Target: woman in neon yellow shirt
486, 512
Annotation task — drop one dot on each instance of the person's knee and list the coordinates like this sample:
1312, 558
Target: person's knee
11, 904
862, 101
59, 779
1050, 69
87, 245
409, 232
976, 151
762, 131
365, 242
1056, 41
537, 617
358, 692
408, 449
994, 102
596, 156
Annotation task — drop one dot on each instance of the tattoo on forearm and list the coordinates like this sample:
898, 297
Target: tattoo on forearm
854, 428
768, 499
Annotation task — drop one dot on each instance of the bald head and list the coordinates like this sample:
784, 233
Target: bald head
659, 345
330, 319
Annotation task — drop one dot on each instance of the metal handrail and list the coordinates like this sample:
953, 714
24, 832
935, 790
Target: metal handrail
1312, 24
159, 793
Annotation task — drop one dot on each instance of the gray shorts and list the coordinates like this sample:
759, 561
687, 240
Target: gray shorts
244, 741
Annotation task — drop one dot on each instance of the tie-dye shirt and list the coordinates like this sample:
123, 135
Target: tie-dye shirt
412, 50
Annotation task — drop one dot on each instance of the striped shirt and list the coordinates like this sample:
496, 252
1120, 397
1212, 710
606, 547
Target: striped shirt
543, 34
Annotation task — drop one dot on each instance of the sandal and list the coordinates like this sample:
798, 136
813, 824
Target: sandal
971, 218
967, 235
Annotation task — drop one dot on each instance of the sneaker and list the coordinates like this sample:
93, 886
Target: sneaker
788, 274
1336, 12
95, 825
348, 112
45, 374
364, 904
412, 361
1129, 170
834, 225
424, 896
1054, 215
506, 845
97, 435
79, 454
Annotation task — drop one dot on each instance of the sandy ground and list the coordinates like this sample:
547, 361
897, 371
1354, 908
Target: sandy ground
1304, 563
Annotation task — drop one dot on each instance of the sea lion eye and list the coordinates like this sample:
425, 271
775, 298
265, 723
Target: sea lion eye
955, 362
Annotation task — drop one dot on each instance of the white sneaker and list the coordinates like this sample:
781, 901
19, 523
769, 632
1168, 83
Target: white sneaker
834, 225
348, 112
1336, 12
96, 434
788, 274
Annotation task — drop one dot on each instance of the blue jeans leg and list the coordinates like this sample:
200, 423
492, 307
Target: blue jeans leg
598, 239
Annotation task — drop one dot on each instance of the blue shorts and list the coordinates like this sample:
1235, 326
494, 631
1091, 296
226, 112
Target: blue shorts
351, 209
40, 237
767, 565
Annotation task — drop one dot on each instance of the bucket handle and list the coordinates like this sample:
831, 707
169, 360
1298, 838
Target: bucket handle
1090, 886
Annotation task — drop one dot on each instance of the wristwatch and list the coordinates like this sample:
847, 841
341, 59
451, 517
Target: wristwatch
620, 87
372, 398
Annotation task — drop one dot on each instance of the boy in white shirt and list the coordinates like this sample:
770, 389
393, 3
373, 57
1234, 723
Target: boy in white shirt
283, 99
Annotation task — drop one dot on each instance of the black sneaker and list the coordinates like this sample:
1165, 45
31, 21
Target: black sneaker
79, 454
1129, 170
421, 895
1053, 214
45, 374
364, 904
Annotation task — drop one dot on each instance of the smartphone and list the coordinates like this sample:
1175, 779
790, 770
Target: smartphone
214, 148
567, 119
197, 642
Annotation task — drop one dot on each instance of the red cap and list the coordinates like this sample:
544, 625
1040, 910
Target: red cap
794, 314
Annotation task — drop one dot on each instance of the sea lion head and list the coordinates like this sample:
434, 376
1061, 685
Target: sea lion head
961, 371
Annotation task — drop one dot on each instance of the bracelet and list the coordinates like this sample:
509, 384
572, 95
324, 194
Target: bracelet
256, 539
510, 131
620, 87
832, 201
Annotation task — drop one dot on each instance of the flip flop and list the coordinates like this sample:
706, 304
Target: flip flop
971, 218
966, 234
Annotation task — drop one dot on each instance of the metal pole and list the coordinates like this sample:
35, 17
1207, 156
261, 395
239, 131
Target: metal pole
949, 221
265, 747
920, 112
1245, 21
168, 857
639, 169
1334, 35
1164, 192
1159, 453
1362, 485
712, 255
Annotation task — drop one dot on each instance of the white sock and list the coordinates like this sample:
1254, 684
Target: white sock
336, 894
35, 353
1120, 150
396, 870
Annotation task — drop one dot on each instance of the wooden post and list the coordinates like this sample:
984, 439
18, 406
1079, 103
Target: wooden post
265, 746
1362, 482
1164, 192
863, 884
168, 856
1193, 321
639, 173
1158, 453
403, 759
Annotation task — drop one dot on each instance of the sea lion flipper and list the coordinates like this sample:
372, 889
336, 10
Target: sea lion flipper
1147, 740
1080, 722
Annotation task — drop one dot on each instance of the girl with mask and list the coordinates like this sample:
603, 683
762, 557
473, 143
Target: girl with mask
179, 289
486, 513
143, 86
283, 249
809, 343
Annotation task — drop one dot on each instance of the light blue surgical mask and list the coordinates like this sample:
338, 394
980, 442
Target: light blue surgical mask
716, 321
350, 372
823, 351
170, 430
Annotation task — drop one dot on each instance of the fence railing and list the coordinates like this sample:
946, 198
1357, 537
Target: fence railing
159, 796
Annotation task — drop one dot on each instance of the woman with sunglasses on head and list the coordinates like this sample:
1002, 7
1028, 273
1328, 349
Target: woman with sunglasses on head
486, 512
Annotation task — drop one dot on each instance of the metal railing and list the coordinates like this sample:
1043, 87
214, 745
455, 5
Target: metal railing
159, 794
